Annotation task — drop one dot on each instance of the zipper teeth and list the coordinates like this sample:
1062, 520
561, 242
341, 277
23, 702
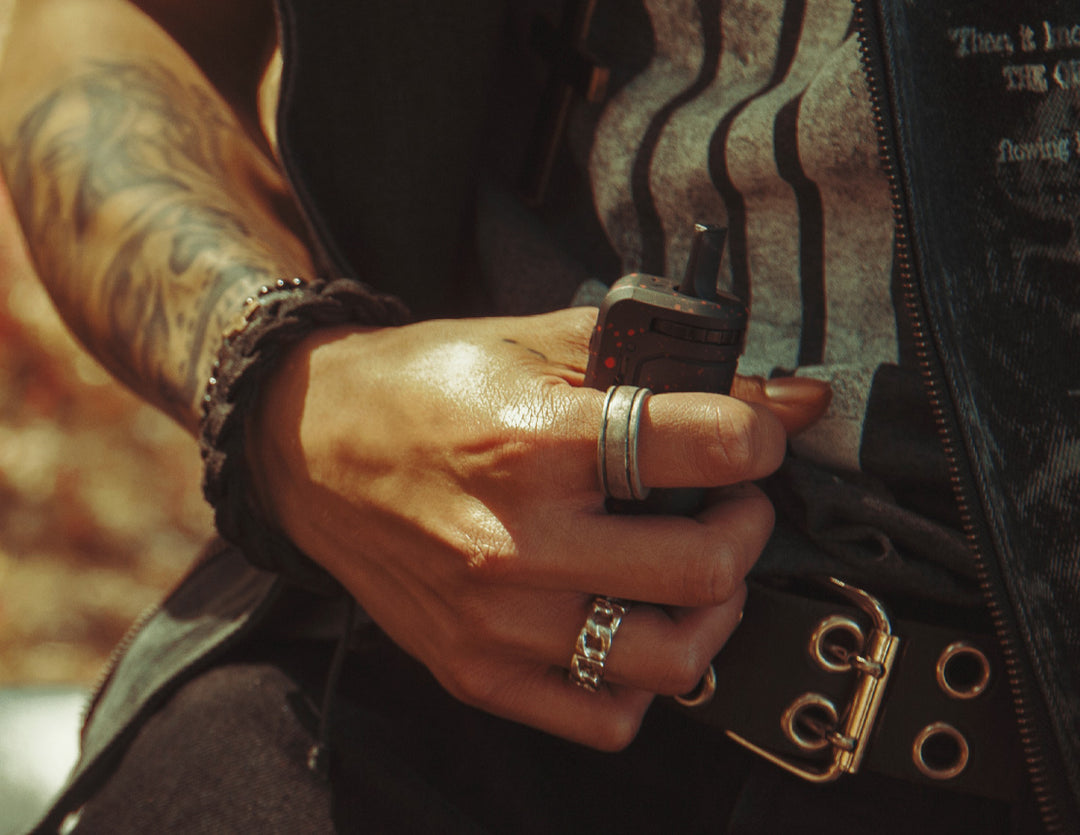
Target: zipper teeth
140, 621
117, 653
1035, 761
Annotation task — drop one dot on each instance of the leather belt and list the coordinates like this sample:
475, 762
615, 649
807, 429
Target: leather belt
825, 688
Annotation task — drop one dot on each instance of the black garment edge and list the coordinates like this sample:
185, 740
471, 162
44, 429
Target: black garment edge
389, 199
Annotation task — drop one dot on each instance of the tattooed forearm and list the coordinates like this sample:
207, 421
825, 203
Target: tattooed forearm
146, 210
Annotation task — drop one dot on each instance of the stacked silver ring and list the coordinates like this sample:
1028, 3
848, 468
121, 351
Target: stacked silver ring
594, 641
617, 448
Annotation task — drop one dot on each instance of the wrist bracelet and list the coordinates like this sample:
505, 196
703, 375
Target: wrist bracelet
273, 320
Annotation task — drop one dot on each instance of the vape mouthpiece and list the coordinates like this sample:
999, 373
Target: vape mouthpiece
703, 265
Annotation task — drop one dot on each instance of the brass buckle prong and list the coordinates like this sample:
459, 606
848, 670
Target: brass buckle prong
872, 667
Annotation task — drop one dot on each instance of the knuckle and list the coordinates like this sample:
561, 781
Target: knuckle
764, 506
463, 662
472, 683
619, 731
738, 428
723, 579
685, 675
745, 540
488, 551
478, 624
711, 579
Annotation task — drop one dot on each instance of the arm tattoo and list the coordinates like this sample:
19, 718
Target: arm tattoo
133, 157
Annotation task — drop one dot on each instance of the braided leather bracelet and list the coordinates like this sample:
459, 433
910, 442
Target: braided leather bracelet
272, 321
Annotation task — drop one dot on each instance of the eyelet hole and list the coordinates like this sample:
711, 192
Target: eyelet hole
835, 640
808, 720
963, 671
940, 751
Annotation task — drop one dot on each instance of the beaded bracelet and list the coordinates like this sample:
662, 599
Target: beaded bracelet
273, 320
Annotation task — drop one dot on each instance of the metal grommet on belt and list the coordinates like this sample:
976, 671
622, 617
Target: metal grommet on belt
963, 670
881, 714
808, 721
940, 751
830, 654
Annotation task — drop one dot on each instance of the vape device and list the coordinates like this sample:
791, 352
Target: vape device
670, 335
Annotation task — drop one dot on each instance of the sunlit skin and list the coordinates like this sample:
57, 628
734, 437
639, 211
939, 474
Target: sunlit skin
445, 471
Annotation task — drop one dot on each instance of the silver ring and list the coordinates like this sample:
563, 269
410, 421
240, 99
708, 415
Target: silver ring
617, 448
594, 641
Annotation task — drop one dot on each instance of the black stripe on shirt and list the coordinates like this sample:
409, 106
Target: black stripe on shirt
811, 233
791, 27
653, 245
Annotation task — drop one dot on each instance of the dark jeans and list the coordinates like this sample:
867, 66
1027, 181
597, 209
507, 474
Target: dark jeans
228, 754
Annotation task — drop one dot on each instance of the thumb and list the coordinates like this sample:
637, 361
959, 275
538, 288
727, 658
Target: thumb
796, 401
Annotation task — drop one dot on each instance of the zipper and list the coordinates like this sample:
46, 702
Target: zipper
124, 644
213, 550
1035, 756
85, 773
113, 661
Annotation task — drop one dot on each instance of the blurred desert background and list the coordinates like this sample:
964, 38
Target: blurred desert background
100, 510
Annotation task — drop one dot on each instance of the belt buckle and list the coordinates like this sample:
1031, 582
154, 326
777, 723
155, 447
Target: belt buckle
872, 665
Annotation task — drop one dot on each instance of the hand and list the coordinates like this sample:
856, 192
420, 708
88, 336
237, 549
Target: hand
445, 473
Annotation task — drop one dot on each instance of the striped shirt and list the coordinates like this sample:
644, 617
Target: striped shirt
756, 116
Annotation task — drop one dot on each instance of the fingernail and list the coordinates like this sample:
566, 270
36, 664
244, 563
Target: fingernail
797, 391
